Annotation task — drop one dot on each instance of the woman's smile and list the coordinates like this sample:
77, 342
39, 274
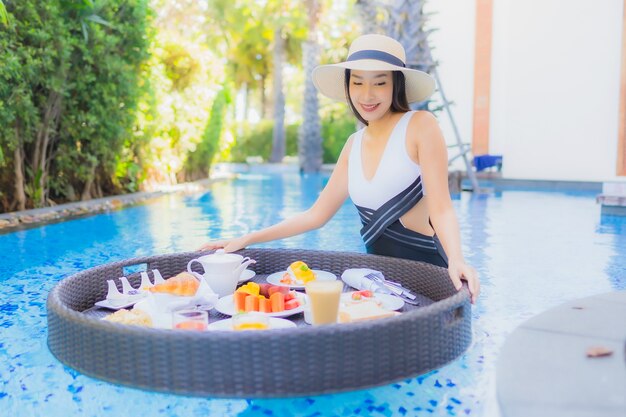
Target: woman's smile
369, 107
371, 93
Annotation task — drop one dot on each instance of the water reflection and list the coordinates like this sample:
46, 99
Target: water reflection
615, 228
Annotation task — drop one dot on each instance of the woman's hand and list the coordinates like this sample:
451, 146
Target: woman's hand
230, 245
461, 271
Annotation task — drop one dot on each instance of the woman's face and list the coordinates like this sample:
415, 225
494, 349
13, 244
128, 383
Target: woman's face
371, 93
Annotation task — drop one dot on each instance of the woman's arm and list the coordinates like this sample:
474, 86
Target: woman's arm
329, 201
433, 157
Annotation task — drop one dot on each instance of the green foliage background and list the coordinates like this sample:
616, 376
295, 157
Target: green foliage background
256, 140
69, 88
101, 97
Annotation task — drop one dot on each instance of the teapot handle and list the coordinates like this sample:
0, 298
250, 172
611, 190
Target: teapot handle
189, 265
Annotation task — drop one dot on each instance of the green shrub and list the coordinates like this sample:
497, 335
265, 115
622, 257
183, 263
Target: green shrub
70, 78
336, 129
199, 162
256, 140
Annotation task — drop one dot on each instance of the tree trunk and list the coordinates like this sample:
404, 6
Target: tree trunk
246, 102
406, 22
263, 97
86, 194
18, 164
310, 137
52, 113
278, 143
98, 190
368, 10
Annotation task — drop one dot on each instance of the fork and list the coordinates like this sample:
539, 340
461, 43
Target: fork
395, 290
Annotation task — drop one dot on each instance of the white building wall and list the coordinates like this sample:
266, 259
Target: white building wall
554, 84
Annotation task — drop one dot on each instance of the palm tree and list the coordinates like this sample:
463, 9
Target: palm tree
310, 138
278, 136
406, 22
368, 13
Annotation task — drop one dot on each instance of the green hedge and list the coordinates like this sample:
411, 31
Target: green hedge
256, 140
70, 78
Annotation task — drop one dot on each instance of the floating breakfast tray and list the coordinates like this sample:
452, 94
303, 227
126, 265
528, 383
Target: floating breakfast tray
307, 360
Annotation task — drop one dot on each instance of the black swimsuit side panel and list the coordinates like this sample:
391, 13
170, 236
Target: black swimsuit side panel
386, 246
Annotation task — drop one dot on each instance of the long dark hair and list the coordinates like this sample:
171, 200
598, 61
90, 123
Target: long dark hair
399, 102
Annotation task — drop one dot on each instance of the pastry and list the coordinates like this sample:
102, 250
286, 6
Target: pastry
364, 310
184, 284
135, 317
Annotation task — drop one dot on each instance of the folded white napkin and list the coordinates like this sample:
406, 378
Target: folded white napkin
355, 277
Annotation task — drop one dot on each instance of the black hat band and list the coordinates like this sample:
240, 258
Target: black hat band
377, 55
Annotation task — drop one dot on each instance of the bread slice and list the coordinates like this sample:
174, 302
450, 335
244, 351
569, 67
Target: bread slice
366, 310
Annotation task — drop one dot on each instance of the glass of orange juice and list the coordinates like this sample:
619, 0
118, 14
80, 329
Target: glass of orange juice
190, 319
250, 321
324, 299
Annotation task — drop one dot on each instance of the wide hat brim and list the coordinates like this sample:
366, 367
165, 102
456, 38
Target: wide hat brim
330, 79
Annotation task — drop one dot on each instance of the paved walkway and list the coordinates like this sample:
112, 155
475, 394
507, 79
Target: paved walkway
544, 368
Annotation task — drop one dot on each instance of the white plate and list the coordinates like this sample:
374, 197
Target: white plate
160, 320
121, 303
246, 275
274, 323
275, 278
388, 302
226, 305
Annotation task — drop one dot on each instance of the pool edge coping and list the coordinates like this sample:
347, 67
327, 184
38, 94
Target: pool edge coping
18, 220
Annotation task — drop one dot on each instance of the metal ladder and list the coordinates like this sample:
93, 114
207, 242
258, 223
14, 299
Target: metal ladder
464, 148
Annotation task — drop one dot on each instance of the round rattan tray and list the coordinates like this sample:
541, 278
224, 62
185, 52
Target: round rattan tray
277, 363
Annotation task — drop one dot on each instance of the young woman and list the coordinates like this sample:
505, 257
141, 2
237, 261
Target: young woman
395, 169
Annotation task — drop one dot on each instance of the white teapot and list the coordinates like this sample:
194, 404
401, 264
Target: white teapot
221, 270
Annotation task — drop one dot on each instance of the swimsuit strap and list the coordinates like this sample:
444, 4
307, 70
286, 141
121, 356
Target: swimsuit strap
391, 211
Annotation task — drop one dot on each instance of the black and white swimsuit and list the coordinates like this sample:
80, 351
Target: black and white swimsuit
395, 188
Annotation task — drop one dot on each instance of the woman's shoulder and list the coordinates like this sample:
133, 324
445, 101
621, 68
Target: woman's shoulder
350, 140
423, 123
347, 146
422, 117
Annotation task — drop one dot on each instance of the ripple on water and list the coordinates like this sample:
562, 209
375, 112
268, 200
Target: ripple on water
529, 255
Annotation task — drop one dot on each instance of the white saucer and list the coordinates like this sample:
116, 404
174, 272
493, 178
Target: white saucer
274, 323
160, 320
120, 304
246, 275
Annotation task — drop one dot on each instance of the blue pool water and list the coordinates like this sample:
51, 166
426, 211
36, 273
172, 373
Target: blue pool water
534, 250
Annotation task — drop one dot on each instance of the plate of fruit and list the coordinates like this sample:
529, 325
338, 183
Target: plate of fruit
297, 275
273, 300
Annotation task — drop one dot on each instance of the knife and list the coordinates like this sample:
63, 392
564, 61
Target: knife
396, 290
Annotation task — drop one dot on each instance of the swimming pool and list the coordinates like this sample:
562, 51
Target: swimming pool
534, 250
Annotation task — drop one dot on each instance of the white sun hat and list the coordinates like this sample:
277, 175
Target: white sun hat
373, 53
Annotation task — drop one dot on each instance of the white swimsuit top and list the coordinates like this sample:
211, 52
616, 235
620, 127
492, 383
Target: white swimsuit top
396, 170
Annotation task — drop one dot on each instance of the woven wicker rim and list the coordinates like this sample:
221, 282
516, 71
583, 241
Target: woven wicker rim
432, 335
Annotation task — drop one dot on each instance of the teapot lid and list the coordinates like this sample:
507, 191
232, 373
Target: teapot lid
220, 256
